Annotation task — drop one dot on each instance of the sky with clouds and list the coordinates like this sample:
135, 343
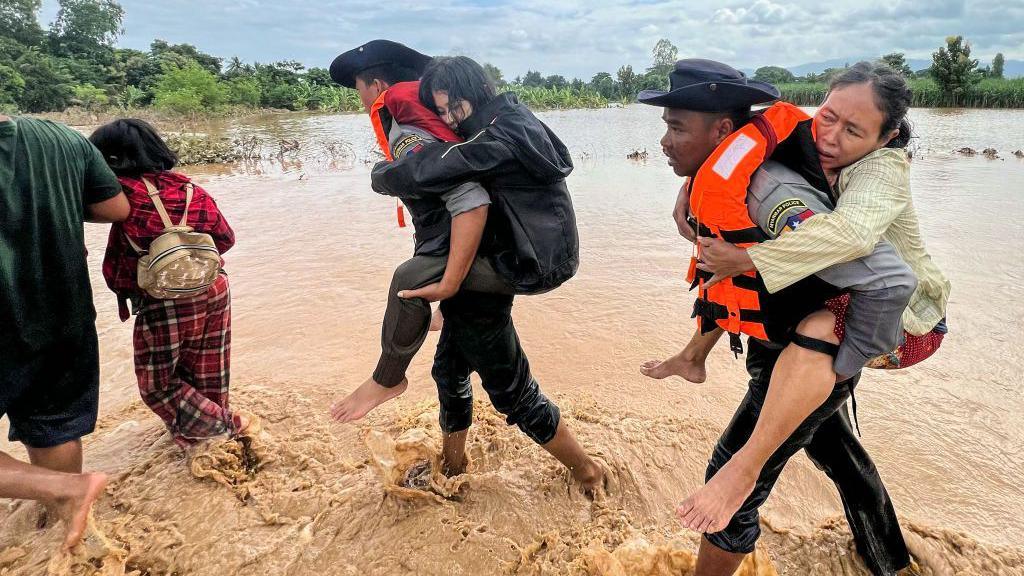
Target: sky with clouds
575, 37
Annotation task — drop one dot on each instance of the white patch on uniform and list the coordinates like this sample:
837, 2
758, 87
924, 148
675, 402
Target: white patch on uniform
732, 156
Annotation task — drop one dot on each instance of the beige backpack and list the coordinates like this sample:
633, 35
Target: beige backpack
181, 262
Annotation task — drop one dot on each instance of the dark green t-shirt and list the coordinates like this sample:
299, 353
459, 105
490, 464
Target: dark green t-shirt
48, 174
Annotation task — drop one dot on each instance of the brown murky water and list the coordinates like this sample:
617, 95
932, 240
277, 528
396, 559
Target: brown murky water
315, 251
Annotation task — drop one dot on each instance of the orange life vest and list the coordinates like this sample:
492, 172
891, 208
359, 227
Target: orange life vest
718, 203
385, 146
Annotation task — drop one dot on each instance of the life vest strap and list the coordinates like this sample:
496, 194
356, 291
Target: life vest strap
713, 311
742, 281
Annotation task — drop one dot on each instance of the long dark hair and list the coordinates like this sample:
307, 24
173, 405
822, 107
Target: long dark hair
892, 96
461, 77
132, 147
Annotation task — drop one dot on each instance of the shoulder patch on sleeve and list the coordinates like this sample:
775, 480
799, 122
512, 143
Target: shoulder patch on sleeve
409, 144
791, 205
731, 157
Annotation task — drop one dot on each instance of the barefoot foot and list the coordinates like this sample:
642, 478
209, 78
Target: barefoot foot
368, 396
75, 507
249, 424
711, 508
591, 477
690, 370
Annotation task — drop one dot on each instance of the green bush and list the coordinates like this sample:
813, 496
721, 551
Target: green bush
189, 90
281, 96
130, 97
90, 97
243, 92
11, 87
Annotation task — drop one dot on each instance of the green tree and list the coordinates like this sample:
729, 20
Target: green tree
774, 75
556, 81
653, 80
898, 62
533, 79
86, 26
177, 54
11, 87
319, 77
494, 73
997, 65
47, 85
603, 84
188, 90
627, 81
665, 55
18, 21
953, 68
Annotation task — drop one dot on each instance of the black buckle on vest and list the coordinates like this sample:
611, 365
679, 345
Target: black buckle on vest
735, 344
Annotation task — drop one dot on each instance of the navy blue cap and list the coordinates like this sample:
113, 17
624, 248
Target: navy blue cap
375, 53
709, 86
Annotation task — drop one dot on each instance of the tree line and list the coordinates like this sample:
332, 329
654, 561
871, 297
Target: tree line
75, 62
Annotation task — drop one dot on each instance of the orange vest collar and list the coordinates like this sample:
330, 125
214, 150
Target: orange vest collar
378, 126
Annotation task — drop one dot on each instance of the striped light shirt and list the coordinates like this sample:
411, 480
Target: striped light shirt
874, 203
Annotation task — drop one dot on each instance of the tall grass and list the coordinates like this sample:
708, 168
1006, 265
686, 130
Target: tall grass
548, 98
989, 93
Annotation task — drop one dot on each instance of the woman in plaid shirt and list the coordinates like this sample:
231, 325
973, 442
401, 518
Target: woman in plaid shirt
182, 346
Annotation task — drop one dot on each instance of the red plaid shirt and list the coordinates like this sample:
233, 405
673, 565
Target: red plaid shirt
144, 224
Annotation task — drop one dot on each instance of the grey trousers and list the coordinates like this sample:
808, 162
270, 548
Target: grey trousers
406, 321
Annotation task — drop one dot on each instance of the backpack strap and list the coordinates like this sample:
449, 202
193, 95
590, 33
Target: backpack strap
189, 189
154, 195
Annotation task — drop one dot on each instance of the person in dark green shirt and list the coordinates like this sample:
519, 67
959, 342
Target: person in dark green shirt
51, 181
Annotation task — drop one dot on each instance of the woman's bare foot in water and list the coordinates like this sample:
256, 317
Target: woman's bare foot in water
678, 365
75, 505
436, 320
711, 508
368, 396
249, 424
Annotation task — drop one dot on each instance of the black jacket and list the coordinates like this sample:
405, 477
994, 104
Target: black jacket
531, 231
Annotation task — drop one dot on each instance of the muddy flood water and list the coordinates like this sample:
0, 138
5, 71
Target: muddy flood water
316, 248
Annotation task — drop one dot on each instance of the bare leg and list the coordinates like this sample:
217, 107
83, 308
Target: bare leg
713, 561
801, 381
71, 494
64, 458
689, 362
569, 452
436, 320
453, 453
368, 396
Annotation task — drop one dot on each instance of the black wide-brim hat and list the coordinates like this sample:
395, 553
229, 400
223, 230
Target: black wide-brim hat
375, 53
709, 86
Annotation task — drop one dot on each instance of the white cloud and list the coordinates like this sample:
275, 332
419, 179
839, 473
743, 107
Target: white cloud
578, 37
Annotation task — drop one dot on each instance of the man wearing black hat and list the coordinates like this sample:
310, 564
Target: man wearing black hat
372, 68
706, 103
448, 227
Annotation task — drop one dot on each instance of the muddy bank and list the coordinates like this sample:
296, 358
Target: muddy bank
311, 497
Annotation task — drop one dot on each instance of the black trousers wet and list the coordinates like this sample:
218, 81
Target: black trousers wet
829, 440
406, 322
479, 336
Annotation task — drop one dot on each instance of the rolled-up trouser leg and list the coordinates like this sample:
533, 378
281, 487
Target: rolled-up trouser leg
407, 321
454, 391
483, 331
744, 528
869, 510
